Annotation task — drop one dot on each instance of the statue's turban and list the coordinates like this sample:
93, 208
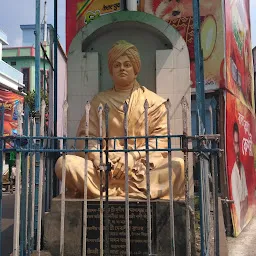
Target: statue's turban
121, 48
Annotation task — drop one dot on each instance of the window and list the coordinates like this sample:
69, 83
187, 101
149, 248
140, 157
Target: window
25, 72
42, 79
13, 63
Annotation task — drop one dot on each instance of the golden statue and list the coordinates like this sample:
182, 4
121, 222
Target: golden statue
124, 65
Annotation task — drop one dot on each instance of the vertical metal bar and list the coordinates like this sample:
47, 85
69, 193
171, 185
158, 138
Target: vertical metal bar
1, 170
200, 92
55, 182
108, 169
33, 189
100, 109
87, 113
168, 108
214, 189
187, 197
41, 181
30, 216
37, 100
28, 186
127, 224
149, 224
24, 189
63, 182
16, 229
200, 100
216, 213
55, 68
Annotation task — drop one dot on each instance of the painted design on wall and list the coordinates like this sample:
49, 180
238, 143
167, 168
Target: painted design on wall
81, 12
239, 51
180, 15
241, 140
88, 10
10, 101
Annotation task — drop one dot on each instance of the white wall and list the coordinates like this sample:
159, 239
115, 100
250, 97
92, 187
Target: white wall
173, 83
62, 90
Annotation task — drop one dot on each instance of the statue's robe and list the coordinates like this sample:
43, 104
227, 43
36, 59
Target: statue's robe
157, 126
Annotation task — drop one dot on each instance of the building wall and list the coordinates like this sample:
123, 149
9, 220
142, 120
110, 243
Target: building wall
27, 62
28, 36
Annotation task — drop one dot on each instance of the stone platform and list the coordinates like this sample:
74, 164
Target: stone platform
138, 224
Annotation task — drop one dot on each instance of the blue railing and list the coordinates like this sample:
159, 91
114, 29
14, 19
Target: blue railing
11, 72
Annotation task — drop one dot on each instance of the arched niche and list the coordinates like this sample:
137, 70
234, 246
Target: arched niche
164, 54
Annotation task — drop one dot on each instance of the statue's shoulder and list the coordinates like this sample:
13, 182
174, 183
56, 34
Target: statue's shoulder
101, 97
152, 97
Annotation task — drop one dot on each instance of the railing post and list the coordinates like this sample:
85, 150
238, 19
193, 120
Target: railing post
1, 169
100, 110
63, 182
168, 109
187, 187
16, 229
41, 180
149, 224
87, 115
107, 171
24, 178
37, 103
127, 219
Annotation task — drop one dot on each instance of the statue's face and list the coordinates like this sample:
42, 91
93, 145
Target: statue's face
122, 72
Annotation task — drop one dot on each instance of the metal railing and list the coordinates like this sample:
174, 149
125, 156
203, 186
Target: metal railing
30, 196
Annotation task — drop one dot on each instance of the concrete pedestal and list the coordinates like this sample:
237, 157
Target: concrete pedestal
138, 228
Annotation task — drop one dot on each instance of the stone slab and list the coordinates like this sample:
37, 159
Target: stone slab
138, 228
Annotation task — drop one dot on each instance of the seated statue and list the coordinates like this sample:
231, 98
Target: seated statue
124, 65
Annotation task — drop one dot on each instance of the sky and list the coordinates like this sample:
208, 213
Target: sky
13, 13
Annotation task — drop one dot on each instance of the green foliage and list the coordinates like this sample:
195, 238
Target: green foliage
30, 101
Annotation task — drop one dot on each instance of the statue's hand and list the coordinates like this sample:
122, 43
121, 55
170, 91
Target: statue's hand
113, 157
119, 168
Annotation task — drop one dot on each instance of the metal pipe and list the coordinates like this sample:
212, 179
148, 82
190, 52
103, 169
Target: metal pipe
149, 224
87, 113
100, 109
168, 108
33, 190
45, 21
187, 187
16, 229
30, 202
55, 105
200, 101
41, 182
1, 170
55, 92
63, 183
131, 5
37, 102
24, 189
107, 171
127, 219
200, 91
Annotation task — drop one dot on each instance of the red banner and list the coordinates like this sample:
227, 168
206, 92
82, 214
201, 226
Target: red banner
240, 144
239, 51
10, 102
81, 12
